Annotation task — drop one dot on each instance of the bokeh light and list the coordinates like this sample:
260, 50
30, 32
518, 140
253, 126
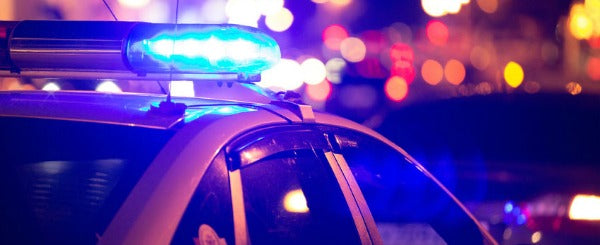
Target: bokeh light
314, 71
580, 24
402, 51
434, 8
536, 237
267, 7
438, 8
242, 12
480, 58
134, 3
585, 207
353, 49
280, 20
432, 72
51, 86
182, 88
593, 68
108, 86
320, 1
295, 202
574, 88
454, 72
335, 68
437, 32
320, 91
286, 75
488, 6
595, 41
340, 3
396, 88
513, 74
404, 69
333, 36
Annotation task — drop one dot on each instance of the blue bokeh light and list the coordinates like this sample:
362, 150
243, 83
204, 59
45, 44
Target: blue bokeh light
508, 207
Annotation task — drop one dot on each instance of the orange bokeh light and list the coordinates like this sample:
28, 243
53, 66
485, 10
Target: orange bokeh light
333, 36
320, 91
396, 88
437, 32
593, 68
432, 72
455, 72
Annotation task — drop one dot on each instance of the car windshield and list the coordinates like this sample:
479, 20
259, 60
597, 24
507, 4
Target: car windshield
62, 181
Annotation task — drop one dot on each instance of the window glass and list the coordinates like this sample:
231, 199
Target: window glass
208, 218
292, 197
62, 182
408, 207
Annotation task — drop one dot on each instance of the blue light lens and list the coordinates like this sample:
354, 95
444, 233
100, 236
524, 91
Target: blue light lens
200, 49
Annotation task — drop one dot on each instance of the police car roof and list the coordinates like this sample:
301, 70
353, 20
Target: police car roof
116, 108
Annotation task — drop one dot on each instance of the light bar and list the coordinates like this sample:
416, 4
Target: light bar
66, 48
201, 48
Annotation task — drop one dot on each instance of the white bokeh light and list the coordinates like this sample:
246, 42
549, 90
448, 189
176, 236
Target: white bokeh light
313, 70
267, 7
438, 8
286, 75
242, 12
335, 68
353, 49
280, 20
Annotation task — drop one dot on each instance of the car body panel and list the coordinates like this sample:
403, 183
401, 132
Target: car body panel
152, 210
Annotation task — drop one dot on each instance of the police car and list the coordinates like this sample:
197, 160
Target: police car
258, 167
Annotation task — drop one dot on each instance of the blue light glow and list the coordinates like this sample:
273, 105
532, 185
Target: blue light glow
147, 108
508, 207
193, 114
203, 49
521, 219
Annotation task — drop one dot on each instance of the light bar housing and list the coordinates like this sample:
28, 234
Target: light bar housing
134, 50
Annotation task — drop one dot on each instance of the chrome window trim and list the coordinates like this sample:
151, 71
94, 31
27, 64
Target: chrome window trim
344, 185
239, 210
359, 198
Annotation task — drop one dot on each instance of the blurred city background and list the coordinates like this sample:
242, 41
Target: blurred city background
499, 98
361, 59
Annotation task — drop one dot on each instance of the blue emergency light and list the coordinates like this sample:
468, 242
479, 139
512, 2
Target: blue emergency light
135, 50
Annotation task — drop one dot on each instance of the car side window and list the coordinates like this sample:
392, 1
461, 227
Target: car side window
290, 192
408, 206
208, 218
292, 197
